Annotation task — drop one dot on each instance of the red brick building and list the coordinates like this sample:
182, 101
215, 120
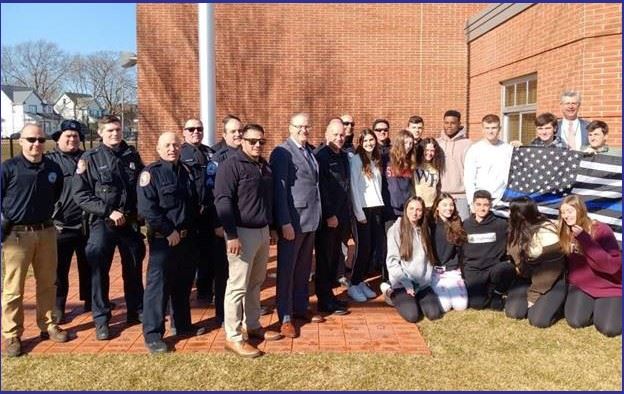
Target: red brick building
380, 60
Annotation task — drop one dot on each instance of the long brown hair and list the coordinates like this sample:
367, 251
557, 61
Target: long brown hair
525, 221
400, 160
376, 156
406, 248
455, 232
438, 157
565, 234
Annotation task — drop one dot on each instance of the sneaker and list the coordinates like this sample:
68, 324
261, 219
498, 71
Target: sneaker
13, 347
368, 293
386, 290
344, 282
356, 293
157, 346
102, 333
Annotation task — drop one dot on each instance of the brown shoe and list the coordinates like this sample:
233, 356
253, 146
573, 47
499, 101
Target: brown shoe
263, 333
55, 334
13, 347
288, 330
310, 317
242, 349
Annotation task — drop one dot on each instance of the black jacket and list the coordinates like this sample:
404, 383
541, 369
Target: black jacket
334, 183
487, 242
67, 214
202, 159
106, 180
244, 193
446, 254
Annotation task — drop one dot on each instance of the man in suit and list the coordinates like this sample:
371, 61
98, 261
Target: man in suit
297, 207
571, 129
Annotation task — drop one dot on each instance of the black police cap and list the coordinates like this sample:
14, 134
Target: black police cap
69, 124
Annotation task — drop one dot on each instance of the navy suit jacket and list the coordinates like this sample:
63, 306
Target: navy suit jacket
562, 134
296, 193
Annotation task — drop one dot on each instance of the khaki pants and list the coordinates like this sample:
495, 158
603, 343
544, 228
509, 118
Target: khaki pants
19, 250
246, 275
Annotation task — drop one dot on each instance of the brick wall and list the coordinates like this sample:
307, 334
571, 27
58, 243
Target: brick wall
585, 55
369, 60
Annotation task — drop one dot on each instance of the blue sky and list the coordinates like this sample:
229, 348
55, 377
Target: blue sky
75, 27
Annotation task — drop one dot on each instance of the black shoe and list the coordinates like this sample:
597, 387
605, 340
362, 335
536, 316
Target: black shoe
332, 308
134, 318
157, 346
102, 333
497, 303
193, 331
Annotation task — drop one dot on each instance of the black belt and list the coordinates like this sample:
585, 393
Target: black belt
32, 227
183, 234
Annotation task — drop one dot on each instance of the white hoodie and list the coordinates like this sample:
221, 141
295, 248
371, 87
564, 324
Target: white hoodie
403, 274
365, 191
486, 168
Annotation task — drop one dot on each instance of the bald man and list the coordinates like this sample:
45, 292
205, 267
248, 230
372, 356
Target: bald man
335, 189
169, 199
31, 184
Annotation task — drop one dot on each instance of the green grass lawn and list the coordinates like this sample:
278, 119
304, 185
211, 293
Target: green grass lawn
471, 350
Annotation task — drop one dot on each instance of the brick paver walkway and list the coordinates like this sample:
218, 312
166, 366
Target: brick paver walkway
370, 327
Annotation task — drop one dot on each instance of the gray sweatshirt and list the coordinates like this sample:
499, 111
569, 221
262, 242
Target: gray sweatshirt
403, 274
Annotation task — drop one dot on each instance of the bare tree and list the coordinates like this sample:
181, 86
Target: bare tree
41, 65
101, 75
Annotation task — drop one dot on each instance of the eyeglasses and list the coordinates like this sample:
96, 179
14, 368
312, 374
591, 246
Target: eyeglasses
254, 141
305, 127
193, 129
384, 130
348, 123
234, 131
32, 140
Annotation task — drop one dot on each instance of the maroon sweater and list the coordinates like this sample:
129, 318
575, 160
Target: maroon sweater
598, 270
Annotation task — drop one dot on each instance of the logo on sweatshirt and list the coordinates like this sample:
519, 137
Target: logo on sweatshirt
483, 238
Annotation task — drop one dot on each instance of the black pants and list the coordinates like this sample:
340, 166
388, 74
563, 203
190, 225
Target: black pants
99, 250
481, 283
212, 268
328, 252
370, 238
69, 242
170, 274
583, 310
546, 309
412, 308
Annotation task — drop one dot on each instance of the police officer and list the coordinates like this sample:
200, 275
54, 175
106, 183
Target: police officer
169, 195
31, 183
68, 217
105, 187
212, 268
335, 189
231, 138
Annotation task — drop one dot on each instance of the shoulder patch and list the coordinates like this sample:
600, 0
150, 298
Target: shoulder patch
81, 166
145, 178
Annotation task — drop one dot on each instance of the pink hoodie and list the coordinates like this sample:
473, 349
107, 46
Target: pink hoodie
455, 149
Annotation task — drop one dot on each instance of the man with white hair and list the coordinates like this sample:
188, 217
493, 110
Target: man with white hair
571, 129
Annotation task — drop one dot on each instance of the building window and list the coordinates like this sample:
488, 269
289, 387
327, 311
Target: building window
519, 104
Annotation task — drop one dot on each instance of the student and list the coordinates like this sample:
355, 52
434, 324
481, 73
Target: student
595, 270
429, 159
400, 171
448, 237
597, 132
546, 131
368, 208
487, 270
409, 265
533, 243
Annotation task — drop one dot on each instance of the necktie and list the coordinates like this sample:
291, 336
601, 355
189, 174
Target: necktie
308, 158
571, 135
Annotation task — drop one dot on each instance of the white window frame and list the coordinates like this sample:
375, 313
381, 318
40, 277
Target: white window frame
516, 109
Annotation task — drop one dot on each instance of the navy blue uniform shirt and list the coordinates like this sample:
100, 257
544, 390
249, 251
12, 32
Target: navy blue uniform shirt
67, 214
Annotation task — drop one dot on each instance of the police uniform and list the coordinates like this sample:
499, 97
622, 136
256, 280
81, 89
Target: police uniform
71, 237
212, 266
29, 191
169, 199
106, 181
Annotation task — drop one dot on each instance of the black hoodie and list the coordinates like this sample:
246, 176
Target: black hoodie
487, 241
445, 253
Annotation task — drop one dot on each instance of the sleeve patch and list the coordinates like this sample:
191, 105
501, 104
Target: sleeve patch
81, 167
145, 179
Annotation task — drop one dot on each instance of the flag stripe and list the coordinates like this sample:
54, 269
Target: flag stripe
589, 192
601, 166
599, 181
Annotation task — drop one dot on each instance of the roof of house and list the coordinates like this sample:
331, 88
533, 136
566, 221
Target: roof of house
18, 94
80, 99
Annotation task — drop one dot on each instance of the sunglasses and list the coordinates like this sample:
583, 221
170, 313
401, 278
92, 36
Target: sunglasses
382, 130
254, 141
348, 123
32, 140
193, 129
